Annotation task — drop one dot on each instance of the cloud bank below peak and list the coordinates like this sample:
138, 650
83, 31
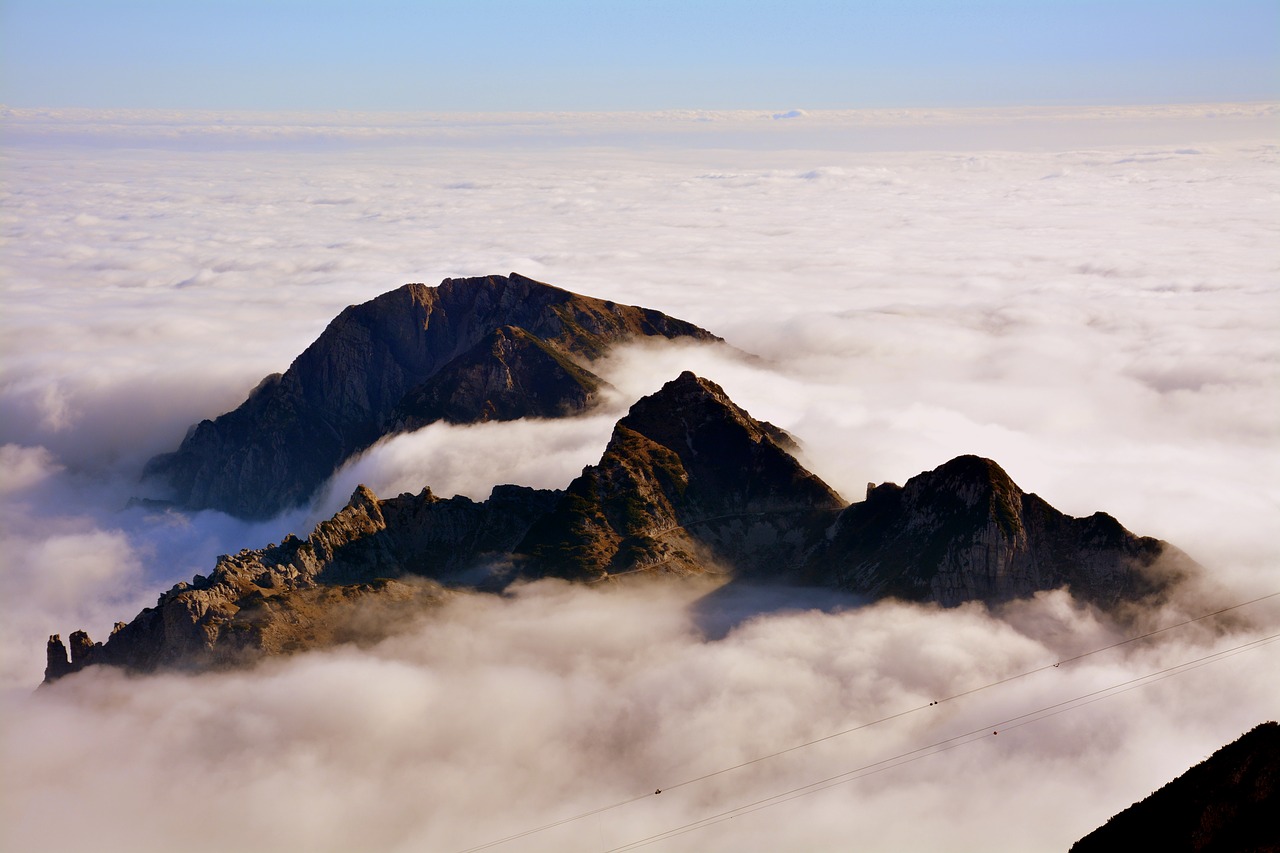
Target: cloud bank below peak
1099, 318
456, 733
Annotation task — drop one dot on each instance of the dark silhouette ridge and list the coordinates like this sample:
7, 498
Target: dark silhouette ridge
689, 482
1228, 803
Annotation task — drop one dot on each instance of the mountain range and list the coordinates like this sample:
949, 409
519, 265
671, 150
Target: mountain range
688, 484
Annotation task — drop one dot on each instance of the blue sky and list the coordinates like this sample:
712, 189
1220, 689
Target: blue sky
611, 55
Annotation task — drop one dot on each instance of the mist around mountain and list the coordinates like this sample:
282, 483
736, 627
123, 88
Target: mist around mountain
689, 484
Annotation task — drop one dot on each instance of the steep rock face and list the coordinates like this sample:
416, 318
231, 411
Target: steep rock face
688, 482
1228, 803
342, 393
56, 663
381, 557
966, 532
510, 374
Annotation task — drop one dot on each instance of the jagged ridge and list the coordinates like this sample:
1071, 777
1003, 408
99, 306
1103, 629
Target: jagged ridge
689, 483
366, 552
966, 532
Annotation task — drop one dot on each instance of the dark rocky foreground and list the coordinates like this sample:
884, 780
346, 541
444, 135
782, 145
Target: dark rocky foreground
689, 483
1228, 803
468, 350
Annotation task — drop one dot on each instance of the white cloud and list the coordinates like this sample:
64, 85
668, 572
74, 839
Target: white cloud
470, 460
25, 467
60, 571
491, 718
1108, 335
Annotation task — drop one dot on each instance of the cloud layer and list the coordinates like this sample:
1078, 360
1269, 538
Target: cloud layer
1098, 315
491, 719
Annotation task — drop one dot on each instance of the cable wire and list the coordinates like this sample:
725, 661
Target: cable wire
959, 740
661, 788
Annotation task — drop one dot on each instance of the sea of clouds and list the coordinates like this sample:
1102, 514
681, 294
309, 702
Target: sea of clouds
1086, 296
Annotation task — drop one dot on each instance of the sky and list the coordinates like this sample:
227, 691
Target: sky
503, 55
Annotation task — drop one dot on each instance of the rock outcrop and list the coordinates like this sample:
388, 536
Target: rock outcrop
1228, 803
357, 576
499, 347
689, 483
966, 532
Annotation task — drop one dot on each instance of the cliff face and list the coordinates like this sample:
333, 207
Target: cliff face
966, 532
499, 347
1228, 802
689, 483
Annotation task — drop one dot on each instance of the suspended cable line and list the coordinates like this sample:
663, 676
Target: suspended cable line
950, 743
765, 757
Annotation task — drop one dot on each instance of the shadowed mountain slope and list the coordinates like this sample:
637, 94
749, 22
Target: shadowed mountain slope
966, 532
510, 374
1228, 803
498, 347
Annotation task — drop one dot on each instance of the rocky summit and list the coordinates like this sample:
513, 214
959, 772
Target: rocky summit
468, 350
966, 532
689, 483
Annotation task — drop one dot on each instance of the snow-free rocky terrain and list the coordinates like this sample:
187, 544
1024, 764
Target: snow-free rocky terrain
688, 484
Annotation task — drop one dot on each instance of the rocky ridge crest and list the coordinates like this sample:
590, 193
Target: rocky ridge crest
689, 483
966, 532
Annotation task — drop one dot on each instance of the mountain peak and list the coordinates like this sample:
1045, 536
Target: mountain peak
362, 498
397, 362
687, 379
689, 480
965, 531
687, 406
